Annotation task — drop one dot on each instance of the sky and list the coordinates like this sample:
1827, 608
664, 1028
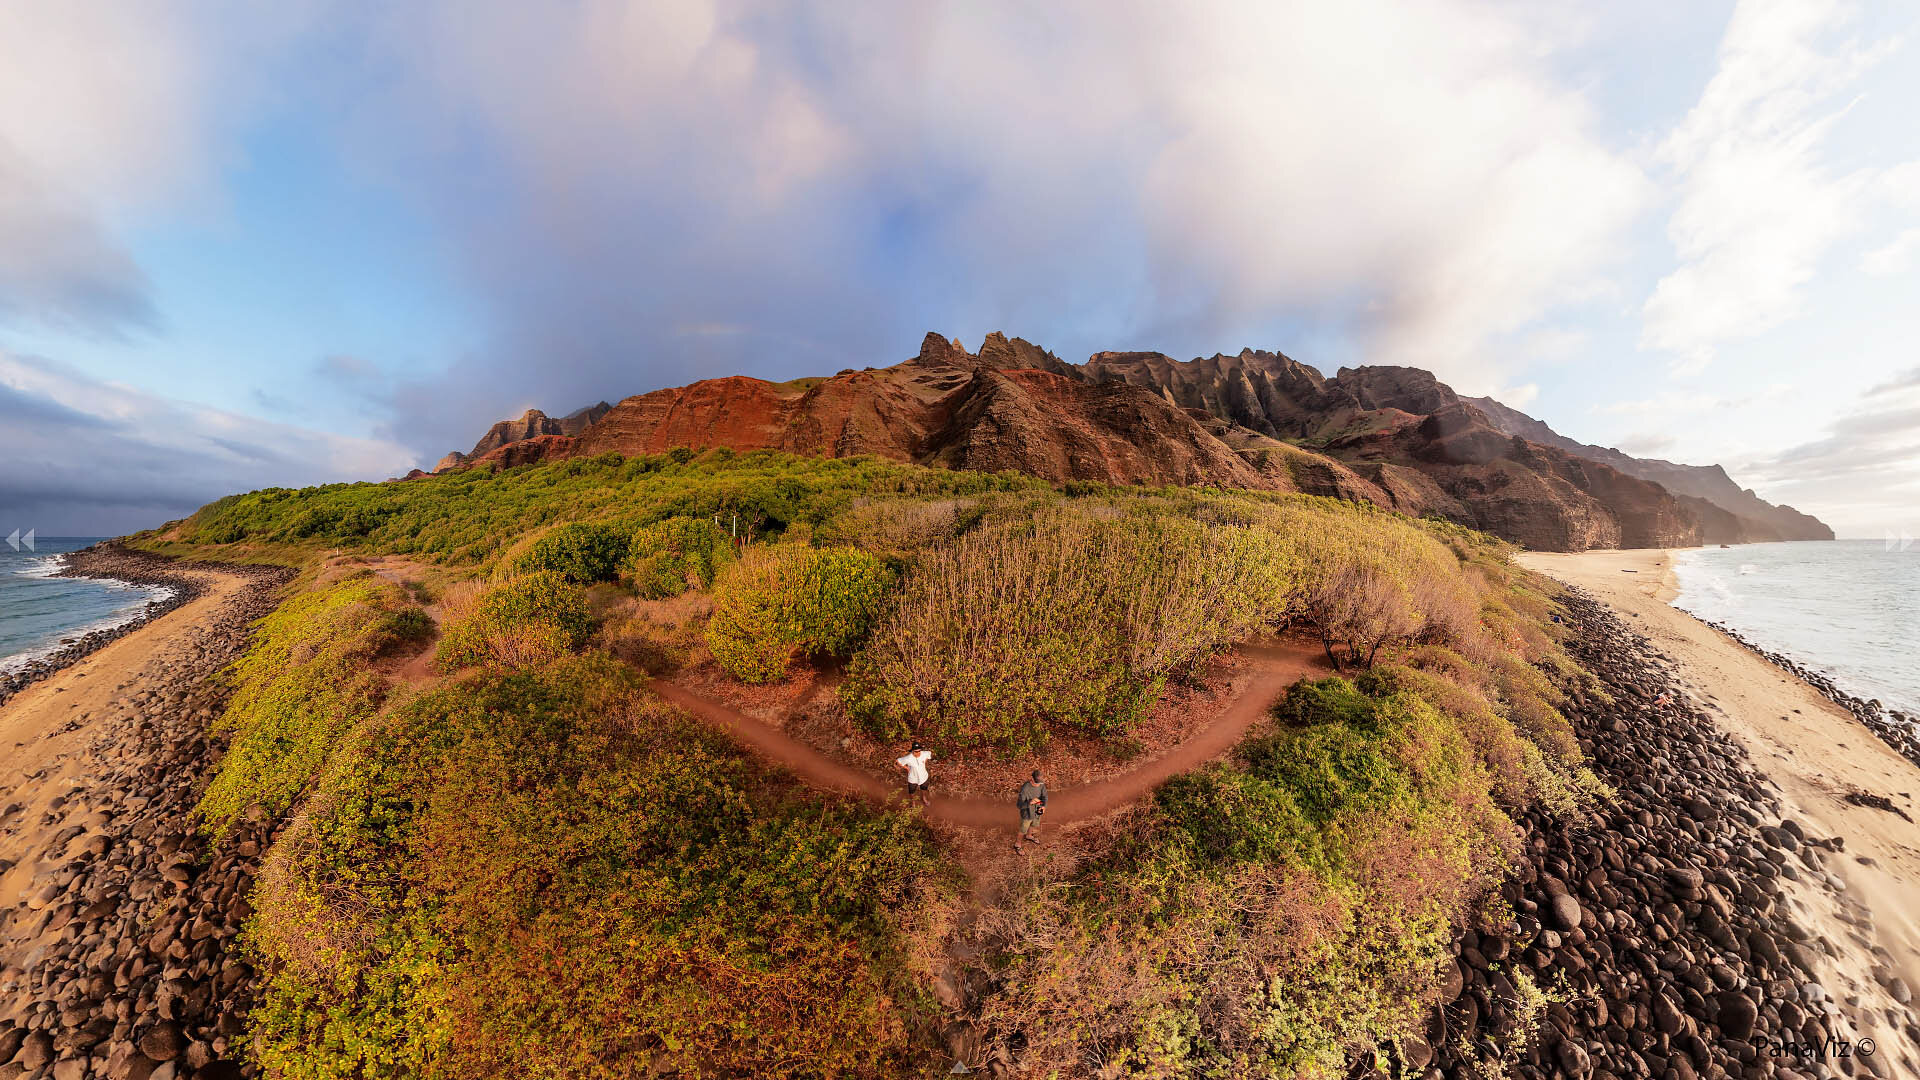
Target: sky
276, 245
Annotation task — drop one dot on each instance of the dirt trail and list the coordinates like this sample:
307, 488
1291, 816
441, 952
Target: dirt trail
1275, 668
1275, 665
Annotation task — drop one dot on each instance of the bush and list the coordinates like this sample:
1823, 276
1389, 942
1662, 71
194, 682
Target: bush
528, 619
900, 528
785, 600
1371, 580
304, 682
666, 557
1074, 619
400, 629
473, 516
1267, 915
549, 873
582, 553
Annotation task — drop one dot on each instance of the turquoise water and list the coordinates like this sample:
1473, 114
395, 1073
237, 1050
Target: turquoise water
1849, 608
37, 609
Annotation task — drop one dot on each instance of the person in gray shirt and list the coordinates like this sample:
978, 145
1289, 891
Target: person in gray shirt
1032, 802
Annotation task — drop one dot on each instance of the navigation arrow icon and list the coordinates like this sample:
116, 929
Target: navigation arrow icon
14, 541
28, 540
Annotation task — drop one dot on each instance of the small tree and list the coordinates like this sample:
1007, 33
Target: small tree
665, 558
582, 552
784, 600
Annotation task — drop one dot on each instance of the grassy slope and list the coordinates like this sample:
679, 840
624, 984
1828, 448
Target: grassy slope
539, 864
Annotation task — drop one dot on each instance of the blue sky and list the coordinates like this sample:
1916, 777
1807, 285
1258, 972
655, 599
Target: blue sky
243, 247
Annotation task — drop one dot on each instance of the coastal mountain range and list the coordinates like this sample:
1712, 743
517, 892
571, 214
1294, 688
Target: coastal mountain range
1394, 436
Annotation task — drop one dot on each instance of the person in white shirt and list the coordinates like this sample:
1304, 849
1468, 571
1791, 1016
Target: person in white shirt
915, 766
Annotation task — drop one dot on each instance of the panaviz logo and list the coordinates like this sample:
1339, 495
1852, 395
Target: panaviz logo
16, 541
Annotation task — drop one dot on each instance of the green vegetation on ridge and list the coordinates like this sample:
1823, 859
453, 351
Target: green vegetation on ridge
546, 872
473, 515
303, 685
536, 866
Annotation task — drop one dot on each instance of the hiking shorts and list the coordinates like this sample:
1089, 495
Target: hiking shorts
913, 788
1027, 824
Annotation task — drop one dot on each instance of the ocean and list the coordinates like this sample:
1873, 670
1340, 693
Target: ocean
1848, 608
37, 609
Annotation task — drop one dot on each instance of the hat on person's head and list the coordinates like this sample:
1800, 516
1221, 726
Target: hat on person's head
1036, 774
916, 746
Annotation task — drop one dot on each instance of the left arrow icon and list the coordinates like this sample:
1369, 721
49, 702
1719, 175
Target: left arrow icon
13, 541
28, 540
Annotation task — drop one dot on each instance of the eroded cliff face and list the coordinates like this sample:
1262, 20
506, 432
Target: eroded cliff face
532, 424
1012, 406
1393, 436
1422, 447
1728, 513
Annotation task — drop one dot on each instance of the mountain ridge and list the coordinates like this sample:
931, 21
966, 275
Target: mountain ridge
1706, 483
1397, 437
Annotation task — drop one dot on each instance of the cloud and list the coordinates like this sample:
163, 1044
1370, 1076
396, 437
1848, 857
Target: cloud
1905, 380
1647, 443
646, 195
86, 457
1759, 203
109, 113
1517, 397
1863, 472
1693, 402
1897, 257
59, 269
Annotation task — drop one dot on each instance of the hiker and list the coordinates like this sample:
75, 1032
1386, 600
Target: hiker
915, 766
1032, 802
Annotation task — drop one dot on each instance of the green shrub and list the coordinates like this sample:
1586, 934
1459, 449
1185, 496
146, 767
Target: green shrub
666, 557
1268, 914
398, 629
304, 682
473, 516
549, 873
581, 552
527, 619
785, 600
1073, 619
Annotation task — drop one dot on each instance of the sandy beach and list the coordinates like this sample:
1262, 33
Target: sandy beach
1813, 750
117, 913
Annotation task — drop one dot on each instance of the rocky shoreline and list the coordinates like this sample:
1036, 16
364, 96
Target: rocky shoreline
119, 958
1658, 925
107, 559
1897, 729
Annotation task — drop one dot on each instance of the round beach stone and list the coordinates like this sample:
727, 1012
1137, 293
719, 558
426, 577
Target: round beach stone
1566, 912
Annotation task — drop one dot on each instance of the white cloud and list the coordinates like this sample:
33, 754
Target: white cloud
87, 456
1517, 397
109, 113
1410, 173
1862, 474
1647, 443
1428, 161
1760, 205
1694, 402
1897, 257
